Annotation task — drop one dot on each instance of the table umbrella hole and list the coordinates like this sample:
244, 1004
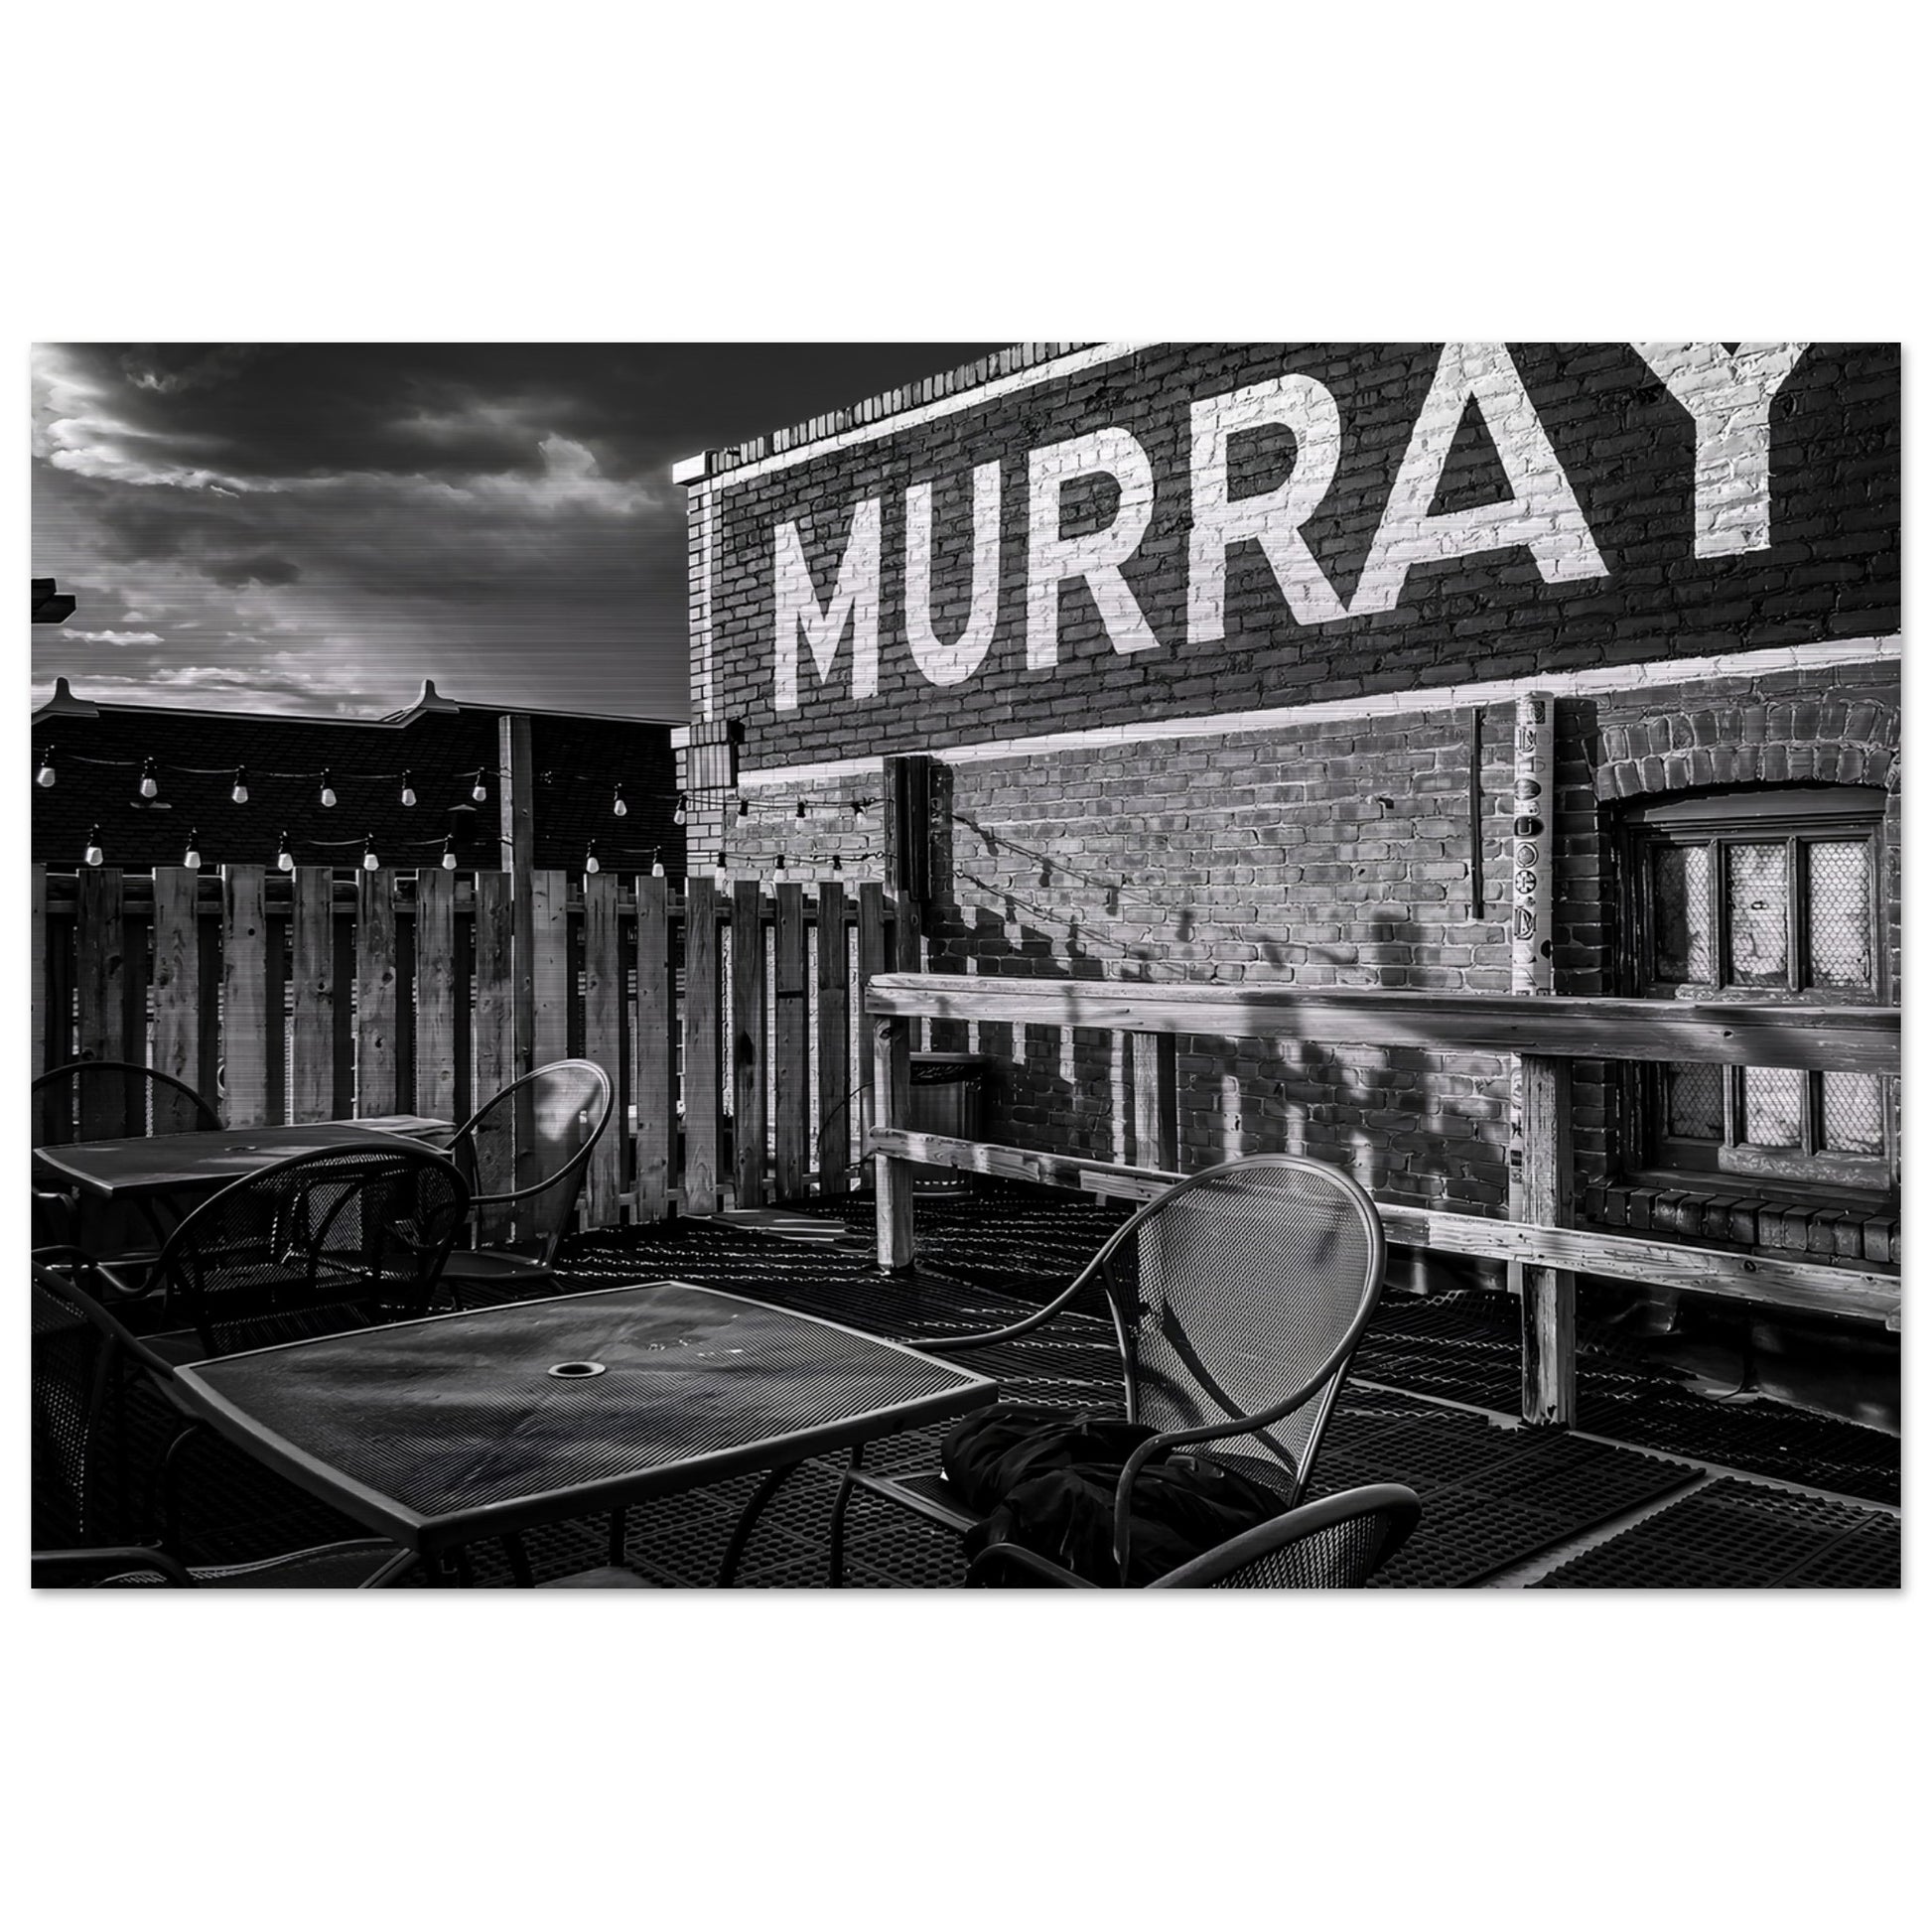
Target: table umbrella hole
569, 1369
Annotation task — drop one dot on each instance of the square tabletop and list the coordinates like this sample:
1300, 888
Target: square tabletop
455, 1427
141, 1168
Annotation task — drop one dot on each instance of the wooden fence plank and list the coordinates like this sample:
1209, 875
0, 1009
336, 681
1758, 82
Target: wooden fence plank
210, 929
748, 1043
275, 1027
604, 1040
1548, 1305
494, 1060
177, 992
58, 1044
1156, 1101
549, 967
834, 1116
871, 962
342, 1023
435, 1056
312, 1045
99, 952
244, 996
652, 1086
376, 1047
702, 1058
893, 1100
791, 1044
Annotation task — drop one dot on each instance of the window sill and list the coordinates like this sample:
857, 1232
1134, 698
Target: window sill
1717, 1214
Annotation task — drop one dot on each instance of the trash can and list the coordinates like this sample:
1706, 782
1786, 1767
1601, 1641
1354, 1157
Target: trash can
948, 1097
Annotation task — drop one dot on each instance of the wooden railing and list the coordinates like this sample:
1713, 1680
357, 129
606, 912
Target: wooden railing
1548, 1033
318, 995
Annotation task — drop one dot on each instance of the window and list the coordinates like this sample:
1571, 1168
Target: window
1764, 897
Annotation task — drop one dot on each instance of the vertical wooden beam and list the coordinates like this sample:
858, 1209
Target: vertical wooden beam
244, 996
1549, 1307
436, 993
61, 973
1157, 1112
653, 1085
342, 1023
549, 896
834, 1118
892, 1107
872, 942
176, 993
38, 1061
211, 927
516, 817
702, 1059
748, 1043
376, 1045
604, 1040
791, 1044
100, 951
311, 1078
494, 1057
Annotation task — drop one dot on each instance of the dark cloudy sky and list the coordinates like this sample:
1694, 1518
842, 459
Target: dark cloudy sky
320, 528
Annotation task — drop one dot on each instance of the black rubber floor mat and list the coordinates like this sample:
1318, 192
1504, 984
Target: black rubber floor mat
1733, 1535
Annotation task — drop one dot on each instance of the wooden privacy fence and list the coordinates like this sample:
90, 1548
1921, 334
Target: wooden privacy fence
1548, 1033
318, 995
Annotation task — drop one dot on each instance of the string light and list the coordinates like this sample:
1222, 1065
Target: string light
743, 808
191, 858
240, 792
619, 809
836, 867
800, 812
44, 776
656, 865
149, 784
370, 862
93, 846
718, 875
408, 790
283, 856
328, 790
779, 868
590, 858
449, 854
479, 792
677, 810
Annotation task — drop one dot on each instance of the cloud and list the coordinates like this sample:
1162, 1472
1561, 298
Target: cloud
264, 569
118, 637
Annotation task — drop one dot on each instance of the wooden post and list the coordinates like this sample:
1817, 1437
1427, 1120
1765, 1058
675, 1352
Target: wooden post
517, 855
375, 993
893, 1109
791, 1044
834, 1130
1157, 1104
871, 960
653, 1085
496, 1052
244, 995
312, 1082
748, 1043
176, 993
1539, 1178
549, 957
436, 993
603, 1042
98, 950
702, 1060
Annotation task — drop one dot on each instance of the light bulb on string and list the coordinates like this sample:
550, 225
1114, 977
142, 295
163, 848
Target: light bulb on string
44, 776
590, 858
677, 810
408, 790
619, 809
283, 856
718, 875
656, 865
743, 808
150, 786
800, 812
370, 862
449, 853
778, 866
93, 846
191, 858
239, 792
327, 792
836, 867
479, 792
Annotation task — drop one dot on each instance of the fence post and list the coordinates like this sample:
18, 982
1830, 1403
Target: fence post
375, 993
893, 1108
177, 992
834, 1054
653, 1085
702, 1060
312, 1082
436, 993
871, 960
244, 996
748, 1043
791, 1044
517, 855
603, 1042
495, 1062
1156, 1102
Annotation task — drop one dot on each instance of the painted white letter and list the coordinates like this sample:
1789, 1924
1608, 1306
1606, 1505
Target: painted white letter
953, 664
857, 598
1730, 400
1273, 518
1052, 559
1541, 514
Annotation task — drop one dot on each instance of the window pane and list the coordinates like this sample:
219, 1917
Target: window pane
1757, 903
1855, 1117
1680, 879
1773, 1098
1840, 877
1695, 1101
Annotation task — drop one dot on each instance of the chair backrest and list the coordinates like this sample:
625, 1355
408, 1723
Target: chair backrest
110, 1100
1242, 1292
525, 1151
311, 1244
72, 1372
1338, 1543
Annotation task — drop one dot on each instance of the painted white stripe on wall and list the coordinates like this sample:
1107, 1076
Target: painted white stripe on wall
1657, 673
930, 412
707, 526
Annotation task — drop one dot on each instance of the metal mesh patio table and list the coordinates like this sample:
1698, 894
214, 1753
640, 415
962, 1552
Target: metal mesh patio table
447, 1430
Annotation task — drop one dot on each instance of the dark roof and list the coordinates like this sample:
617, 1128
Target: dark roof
580, 762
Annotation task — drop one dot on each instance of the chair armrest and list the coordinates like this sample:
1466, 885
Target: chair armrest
1037, 1567
49, 1566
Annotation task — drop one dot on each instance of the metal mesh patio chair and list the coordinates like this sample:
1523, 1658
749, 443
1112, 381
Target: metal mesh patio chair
100, 1100
363, 1564
1337, 1543
1237, 1299
524, 1153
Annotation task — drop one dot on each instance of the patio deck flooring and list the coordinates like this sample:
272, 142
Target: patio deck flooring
1658, 1488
